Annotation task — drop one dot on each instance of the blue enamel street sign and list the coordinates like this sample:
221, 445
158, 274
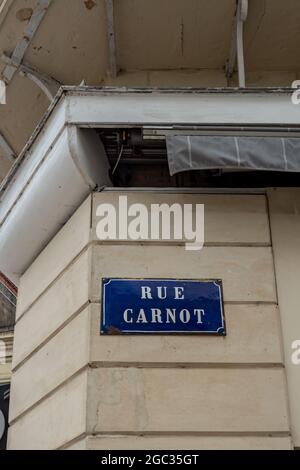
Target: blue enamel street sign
162, 306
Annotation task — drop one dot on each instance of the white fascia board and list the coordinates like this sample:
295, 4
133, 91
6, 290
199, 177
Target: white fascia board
37, 148
101, 107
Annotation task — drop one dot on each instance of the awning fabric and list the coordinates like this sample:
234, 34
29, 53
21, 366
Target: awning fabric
187, 153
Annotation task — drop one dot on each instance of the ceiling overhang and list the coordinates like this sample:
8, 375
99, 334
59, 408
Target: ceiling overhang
136, 43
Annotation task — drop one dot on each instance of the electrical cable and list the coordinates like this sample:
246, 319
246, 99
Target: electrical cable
118, 161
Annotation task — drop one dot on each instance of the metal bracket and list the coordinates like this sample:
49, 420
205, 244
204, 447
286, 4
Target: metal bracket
109, 5
6, 149
24, 42
47, 84
237, 43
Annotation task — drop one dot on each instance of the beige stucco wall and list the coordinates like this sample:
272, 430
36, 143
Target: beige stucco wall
285, 225
72, 388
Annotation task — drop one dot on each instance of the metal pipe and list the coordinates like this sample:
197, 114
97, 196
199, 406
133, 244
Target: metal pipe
109, 4
241, 18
